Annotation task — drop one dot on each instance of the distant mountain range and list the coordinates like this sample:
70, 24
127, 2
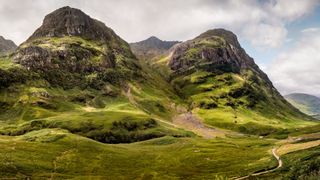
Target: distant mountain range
6, 45
151, 47
306, 103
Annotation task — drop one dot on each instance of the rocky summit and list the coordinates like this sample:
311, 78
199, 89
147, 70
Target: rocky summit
69, 21
70, 40
218, 48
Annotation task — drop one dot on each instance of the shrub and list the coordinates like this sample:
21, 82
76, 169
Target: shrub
14, 75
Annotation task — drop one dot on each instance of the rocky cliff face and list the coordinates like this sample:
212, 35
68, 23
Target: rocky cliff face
72, 41
217, 48
6, 45
217, 51
151, 47
68, 21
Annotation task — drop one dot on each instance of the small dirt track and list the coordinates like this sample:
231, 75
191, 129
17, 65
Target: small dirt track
280, 163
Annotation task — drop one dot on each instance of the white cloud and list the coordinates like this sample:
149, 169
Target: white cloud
262, 23
308, 30
297, 70
291, 10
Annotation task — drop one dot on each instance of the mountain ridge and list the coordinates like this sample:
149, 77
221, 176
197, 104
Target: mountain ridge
308, 104
6, 46
151, 47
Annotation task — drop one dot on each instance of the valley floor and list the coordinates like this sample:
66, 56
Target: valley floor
57, 154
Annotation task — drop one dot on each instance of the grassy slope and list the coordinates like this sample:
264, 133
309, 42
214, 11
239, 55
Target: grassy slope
303, 164
305, 103
74, 156
209, 96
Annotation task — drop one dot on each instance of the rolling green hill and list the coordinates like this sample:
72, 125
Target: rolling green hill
76, 103
306, 103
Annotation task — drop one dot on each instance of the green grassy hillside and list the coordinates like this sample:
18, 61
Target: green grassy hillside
72, 156
227, 94
305, 103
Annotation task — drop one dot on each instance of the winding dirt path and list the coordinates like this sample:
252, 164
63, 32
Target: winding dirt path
280, 164
286, 147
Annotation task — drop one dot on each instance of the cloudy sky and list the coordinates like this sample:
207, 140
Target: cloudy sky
283, 36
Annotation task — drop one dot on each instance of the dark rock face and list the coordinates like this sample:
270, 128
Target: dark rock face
68, 21
151, 47
76, 61
214, 50
6, 45
70, 40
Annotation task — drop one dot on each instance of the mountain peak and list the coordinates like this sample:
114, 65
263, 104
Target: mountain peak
229, 36
68, 21
153, 38
77, 44
218, 47
151, 47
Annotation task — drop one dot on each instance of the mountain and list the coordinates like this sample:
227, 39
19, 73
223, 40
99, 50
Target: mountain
71, 44
76, 103
222, 84
306, 103
6, 46
74, 64
151, 47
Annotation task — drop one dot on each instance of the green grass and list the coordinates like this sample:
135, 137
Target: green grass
303, 164
240, 102
60, 43
7, 63
73, 156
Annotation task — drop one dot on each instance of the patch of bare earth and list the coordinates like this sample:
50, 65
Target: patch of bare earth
191, 122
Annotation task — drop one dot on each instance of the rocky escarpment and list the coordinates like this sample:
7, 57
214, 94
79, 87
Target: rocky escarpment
217, 48
217, 51
151, 47
68, 21
6, 46
70, 54
72, 41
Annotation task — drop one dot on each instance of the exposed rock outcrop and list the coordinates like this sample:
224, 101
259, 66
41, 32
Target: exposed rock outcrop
215, 50
216, 47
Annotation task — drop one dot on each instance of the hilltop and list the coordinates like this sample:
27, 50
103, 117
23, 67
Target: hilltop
151, 47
